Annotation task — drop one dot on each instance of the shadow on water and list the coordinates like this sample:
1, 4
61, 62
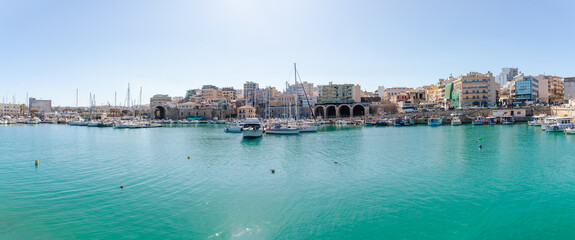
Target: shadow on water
335, 127
248, 142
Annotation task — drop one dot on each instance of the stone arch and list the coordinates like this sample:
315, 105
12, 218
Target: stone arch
358, 110
331, 111
160, 112
344, 111
319, 111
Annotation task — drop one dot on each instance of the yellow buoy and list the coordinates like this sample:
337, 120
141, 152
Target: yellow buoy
36, 163
188, 157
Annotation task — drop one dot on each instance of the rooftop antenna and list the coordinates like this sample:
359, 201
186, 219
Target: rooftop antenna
140, 103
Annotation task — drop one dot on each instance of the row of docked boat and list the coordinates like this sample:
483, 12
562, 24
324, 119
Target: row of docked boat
491, 120
134, 123
28, 120
253, 128
409, 121
563, 124
191, 121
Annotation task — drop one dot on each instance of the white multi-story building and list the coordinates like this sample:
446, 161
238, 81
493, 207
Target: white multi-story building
339, 93
551, 88
389, 93
506, 75
250, 93
9, 109
380, 91
160, 100
304, 92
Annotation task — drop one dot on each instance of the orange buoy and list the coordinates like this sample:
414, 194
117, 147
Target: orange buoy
188, 157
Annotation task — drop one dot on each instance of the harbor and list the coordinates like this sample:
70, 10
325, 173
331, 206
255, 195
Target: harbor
286, 120
404, 182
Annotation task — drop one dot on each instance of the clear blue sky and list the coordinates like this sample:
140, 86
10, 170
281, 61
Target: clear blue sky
50, 48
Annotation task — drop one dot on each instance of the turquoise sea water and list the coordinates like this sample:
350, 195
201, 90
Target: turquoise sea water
389, 183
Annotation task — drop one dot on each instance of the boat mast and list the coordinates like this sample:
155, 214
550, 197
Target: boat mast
295, 85
288, 104
306, 98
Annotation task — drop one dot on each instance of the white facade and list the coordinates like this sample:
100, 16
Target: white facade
304, 92
8, 109
160, 100
380, 91
250, 92
543, 88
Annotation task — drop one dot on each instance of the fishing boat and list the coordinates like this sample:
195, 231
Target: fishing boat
434, 121
478, 121
507, 120
455, 121
358, 123
407, 121
491, 120
283, 130
398, 122
252, 128
381, 122
536, 120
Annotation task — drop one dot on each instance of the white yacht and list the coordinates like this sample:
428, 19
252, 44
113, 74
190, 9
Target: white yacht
237, 128
561, 123
478, 121
252, 128
547, 123
308, 127
123, 124
281, 130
